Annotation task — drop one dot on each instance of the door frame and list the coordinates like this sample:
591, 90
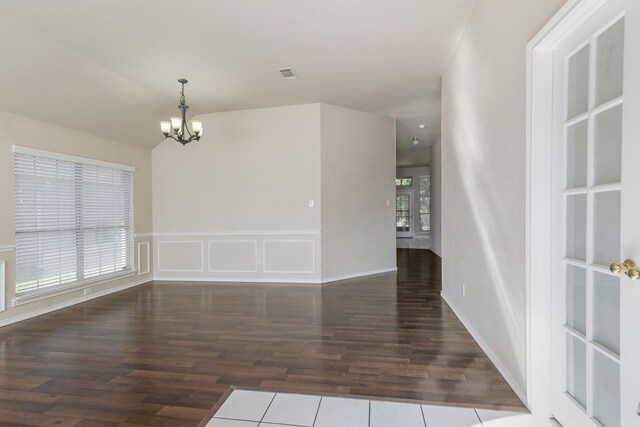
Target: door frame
412, 208
539, 213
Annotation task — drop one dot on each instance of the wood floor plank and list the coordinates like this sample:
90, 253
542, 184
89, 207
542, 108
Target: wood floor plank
163, 353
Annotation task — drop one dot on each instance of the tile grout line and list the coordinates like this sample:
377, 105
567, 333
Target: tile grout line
424, 420
478, 415
317, 412
369, 421
259, 422
267, 410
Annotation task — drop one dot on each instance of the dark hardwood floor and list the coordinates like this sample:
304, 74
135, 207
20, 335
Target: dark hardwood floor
163, 353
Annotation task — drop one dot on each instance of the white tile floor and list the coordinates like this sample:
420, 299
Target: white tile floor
261, 409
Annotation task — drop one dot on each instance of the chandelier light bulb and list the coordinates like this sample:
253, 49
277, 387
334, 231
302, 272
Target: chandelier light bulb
176, 123
415, 141
196, 126
165, 127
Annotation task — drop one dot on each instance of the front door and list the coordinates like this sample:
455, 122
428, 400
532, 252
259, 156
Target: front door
596, 297
404, 214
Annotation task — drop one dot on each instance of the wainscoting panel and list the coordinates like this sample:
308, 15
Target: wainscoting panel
181, 256
233, 256
144, 258
289, 256
238, 257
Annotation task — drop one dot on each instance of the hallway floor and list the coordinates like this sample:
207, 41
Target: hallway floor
161, 354
413, 243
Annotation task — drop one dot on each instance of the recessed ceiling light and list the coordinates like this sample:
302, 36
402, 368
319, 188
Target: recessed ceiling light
422, 126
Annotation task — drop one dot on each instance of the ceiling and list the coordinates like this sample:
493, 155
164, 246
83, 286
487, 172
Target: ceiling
110, 68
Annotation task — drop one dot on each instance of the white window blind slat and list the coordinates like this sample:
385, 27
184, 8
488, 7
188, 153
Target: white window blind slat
74, 222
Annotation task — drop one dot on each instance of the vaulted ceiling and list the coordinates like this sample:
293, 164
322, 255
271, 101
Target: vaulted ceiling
110, 68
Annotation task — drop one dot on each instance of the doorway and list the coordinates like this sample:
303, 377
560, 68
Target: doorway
404, 214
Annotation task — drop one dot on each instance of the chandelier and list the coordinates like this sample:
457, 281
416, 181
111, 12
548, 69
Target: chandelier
177, 128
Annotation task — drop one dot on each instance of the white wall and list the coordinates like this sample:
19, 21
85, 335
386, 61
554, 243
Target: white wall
436, 197
483, 176
415, 174
358, 178
235, 205
26, 132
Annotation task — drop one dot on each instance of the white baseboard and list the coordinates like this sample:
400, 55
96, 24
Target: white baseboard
522, 395
356, 275
248, 280
66, 304
258, 280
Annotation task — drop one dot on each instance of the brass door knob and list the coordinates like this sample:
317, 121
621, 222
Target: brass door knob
622, 267
634, 273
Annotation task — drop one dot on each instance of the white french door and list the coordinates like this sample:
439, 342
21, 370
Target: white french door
596, 184
404, 213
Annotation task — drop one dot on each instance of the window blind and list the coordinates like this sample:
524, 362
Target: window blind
74, 223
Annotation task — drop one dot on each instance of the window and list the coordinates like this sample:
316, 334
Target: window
74, 221
425, 203
404, 182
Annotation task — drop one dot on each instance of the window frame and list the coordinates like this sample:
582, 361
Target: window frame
130, 270
400, 182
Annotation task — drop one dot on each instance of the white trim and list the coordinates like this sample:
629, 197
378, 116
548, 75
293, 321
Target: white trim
539, 138
69, 158
272, 280
7, 248
313, 256
142, 235
46, 293
255, 250
66, 304
246, 280
181, 241
356, 275
487, 349
234, 233
3, 289
140, 272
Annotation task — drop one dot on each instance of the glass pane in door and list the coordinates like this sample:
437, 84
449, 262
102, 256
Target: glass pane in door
403, 213
576, 300
608, 155
576, 244
606, 311
578, 81
606, 390
610, 63
606, 227
577, 155
577, 370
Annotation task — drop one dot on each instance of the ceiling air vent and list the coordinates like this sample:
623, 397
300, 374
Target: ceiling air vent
288, 73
